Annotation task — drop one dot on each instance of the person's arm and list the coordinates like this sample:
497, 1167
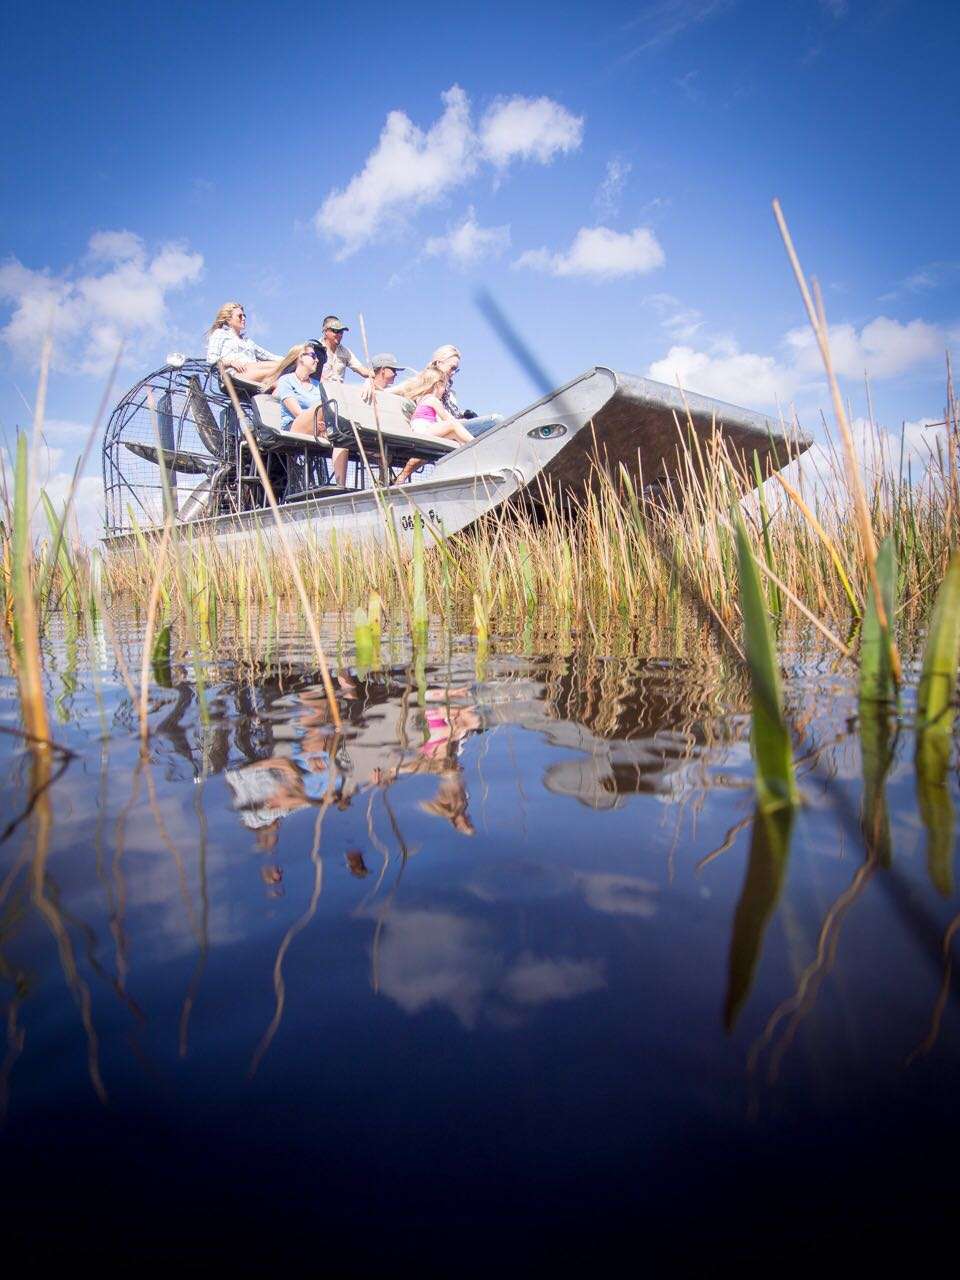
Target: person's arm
292, 405
354, 364
263, 354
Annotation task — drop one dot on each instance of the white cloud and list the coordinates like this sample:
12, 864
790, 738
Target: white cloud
122, 297
114, 246
88, 502
468, 242
883, 348
407, 168
741, 377
601, 254
528, 129
680, 321
607, 199
410, 167
536, 980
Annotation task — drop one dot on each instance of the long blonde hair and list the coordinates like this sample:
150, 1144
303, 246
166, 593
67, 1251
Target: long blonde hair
449, 352
286, 362
413, 387
223, 315
422, 384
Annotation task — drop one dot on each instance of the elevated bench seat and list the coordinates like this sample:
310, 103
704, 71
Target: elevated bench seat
345, 409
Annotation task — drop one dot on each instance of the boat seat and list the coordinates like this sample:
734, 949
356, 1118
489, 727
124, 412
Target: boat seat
268, 413
344, 407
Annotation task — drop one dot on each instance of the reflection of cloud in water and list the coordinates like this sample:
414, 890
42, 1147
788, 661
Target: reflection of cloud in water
440, 958
534, 980
618, 895
429, 957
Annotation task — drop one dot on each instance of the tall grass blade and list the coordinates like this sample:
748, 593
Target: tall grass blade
876, 673
876, 757
362, 641
776, 602
932, 762
769, 854
420, 617
25, 626
941, 656
772, 752
935, 714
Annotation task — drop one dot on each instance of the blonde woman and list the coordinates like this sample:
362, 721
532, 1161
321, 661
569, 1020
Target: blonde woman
445, 360
226, 342
430, 417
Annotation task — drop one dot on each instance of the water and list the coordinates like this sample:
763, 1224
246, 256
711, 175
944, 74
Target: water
506, 972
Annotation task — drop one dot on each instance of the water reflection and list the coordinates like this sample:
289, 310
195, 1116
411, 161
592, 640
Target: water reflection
550, 879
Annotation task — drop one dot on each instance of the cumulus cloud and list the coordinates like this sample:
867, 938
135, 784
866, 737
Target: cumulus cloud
121, 296
600, 254
439, 958
468, 242
528, 129
726, 373
411, 167
882, 348
607, 199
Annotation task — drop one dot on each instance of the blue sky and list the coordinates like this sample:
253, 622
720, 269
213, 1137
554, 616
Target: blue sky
605, 171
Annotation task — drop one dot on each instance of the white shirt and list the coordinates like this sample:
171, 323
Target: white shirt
338, 363
224, 344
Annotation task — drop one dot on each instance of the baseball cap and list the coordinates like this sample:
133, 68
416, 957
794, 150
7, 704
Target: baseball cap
334, 322
386, 360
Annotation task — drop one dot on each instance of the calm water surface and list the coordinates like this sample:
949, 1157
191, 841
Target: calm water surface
505, 972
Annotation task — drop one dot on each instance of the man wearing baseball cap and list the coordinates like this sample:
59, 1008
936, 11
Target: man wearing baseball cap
339, 357
385, 368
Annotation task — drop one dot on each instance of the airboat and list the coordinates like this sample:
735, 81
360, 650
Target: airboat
177, 433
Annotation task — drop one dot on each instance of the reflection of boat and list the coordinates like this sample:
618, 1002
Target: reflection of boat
182, 417
611, 729
625, 728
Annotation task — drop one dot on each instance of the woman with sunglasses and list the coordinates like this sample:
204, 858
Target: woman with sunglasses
227, 342
299, 394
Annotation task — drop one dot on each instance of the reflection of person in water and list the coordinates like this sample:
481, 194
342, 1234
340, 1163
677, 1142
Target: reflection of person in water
448, 725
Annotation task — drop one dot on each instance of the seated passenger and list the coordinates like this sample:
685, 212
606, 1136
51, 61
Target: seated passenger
226, 342
385, 369
299, 394
430, 418
447, 360
298, 390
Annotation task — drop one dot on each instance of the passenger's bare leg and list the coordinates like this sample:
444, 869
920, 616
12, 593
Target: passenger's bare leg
340, 457
412, 464
254, 372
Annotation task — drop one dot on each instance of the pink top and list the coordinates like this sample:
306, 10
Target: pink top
426, 412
